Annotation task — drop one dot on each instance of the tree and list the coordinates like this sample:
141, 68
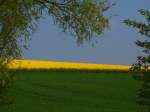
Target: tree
19, 19
143, 62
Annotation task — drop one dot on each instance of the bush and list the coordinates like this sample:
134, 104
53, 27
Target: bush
6, 81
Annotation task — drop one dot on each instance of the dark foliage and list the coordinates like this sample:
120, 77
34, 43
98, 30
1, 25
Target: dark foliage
143, 62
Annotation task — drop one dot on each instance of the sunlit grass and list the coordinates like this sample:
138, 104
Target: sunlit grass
67, 91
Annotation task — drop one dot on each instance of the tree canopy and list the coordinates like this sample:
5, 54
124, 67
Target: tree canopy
144, 29
18, 18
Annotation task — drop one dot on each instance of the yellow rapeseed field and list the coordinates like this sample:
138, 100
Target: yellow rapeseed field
33, 64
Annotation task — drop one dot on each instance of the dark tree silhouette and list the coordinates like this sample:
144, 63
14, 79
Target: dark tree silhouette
143, 62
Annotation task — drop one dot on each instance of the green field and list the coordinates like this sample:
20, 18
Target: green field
68, 91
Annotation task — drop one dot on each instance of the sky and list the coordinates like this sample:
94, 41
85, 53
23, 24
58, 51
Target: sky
115, 45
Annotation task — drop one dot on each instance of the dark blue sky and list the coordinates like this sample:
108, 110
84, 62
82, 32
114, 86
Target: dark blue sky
115, 46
